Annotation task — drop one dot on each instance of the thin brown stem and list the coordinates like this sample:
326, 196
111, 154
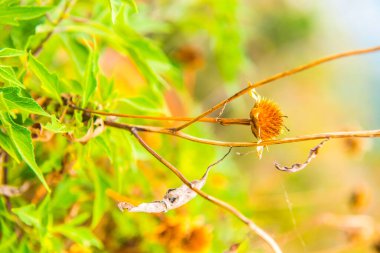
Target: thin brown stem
37, 50
222, 121
135, 129
260, 232
4, 168
331, 135
276, 77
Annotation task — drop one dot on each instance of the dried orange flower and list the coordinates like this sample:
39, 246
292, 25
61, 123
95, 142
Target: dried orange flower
183, 236
77, 248
266, 119
198, 239
190, 56
360, 198
171, 232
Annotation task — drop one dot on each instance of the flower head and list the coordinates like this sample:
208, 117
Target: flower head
184, 236
198, 239
266, 119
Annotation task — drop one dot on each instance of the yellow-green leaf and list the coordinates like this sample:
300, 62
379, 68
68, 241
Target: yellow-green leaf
22, 140
14, 99
7, 145
11, 15
11, 52
89, 85
9, 77
50, 82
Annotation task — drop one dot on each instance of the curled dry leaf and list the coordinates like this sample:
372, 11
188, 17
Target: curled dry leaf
12, 191
300, 166
357, 227
95, 129
173, 198
233, 249
259, 150
39, 134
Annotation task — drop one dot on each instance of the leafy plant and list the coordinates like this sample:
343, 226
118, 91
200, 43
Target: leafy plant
90, 92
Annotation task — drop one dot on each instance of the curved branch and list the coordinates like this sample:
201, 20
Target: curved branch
260, 232
276, 77
134, 130
222, 121
331, 135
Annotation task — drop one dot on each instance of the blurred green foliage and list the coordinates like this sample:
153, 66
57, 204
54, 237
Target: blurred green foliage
138, 57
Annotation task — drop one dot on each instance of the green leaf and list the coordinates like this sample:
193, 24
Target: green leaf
22, 140
7, 144
146, 48
149, 58
15, 100
90, 84
28, 214
80, 219
49, 81
6, 3
44, 216
23, 246
102, 141
72, 87
8, 238
55, 126
11, 15
8, 76
149, 74
36, 217
11, 52
144, 104
65, 195
116, 6
106, 88
115, 9
100, 202
132, 4
77, 51
81, 235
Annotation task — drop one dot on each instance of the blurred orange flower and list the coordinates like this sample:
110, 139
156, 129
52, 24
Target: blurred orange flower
179, 235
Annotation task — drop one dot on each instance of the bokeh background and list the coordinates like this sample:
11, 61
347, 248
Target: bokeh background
220, 46
179, 58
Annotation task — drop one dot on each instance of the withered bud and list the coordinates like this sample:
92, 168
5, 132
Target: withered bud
360, 198
266, 119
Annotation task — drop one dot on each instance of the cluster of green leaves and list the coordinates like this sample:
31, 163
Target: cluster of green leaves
52, 50
58, 49
26, 28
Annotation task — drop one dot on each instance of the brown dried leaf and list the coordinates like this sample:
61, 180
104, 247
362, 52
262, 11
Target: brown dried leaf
173, 198
91, 132
300, 166
233, 249
12, 191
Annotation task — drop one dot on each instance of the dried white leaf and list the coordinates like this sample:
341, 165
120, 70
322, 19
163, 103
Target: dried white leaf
254, 94
12, 191
173, 198
233, 248
153, 207
259, 149
300, 166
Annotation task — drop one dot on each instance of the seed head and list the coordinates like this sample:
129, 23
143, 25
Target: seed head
266, 119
